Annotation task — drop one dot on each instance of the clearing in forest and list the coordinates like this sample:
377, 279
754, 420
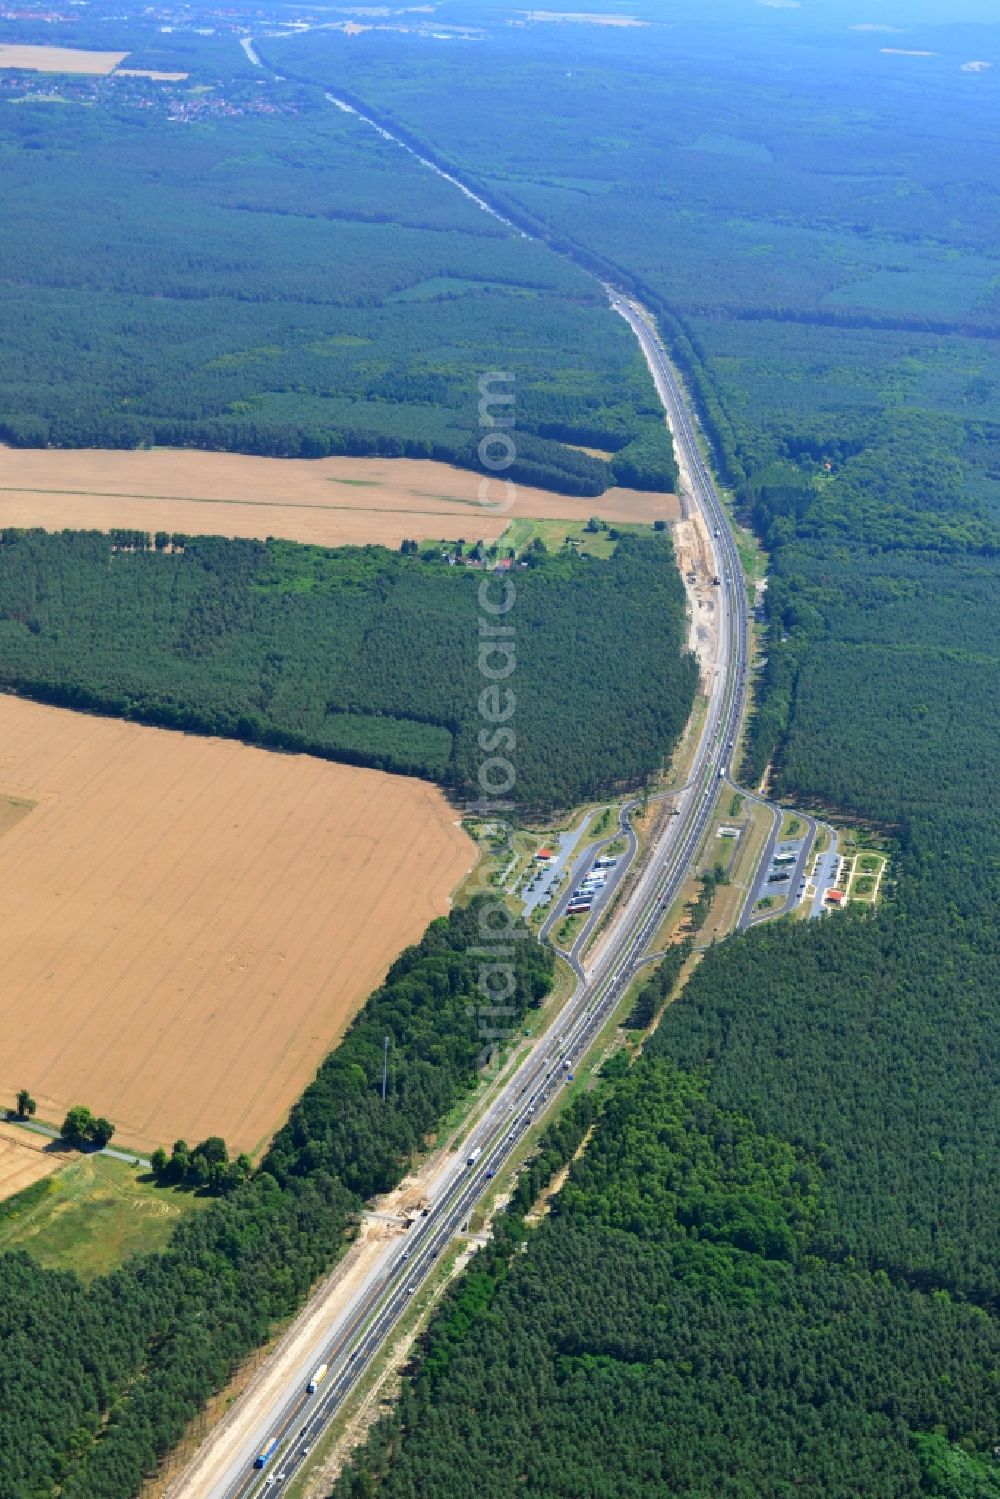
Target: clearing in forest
190, 923
329, 501
92, 1213
58, 59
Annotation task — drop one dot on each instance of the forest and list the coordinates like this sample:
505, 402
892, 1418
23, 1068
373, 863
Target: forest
291, 285
794, 170
96, 1383
676, 1329
774, 1268
357, 654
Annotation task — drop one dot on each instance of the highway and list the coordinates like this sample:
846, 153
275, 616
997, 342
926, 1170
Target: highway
723, 721
298, 1419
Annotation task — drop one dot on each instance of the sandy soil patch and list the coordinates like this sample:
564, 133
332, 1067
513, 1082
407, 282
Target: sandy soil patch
330, 501
693, 547
190, 923
58, 59
591, 452
25, 1158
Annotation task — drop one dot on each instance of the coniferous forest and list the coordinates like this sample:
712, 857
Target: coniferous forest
292, 286
773, 1269
357, 654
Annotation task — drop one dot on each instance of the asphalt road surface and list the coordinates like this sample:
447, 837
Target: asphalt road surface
826, 874
602, 900
563, 846
789, 892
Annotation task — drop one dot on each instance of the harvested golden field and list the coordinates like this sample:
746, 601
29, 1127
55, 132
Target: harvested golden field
190, 923
331, 501
58, 59
26, 1158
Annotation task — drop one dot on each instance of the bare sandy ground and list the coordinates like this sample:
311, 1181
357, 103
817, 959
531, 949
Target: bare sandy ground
25, 1158
330, 501
190, 923
58, 59
693, 547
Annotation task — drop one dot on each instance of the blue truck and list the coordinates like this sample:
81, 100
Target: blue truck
266, 1453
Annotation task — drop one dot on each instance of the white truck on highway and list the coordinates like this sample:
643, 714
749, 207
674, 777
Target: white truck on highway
473, 1156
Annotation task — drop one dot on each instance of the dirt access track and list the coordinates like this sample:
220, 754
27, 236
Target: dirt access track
330, 501
189, 924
